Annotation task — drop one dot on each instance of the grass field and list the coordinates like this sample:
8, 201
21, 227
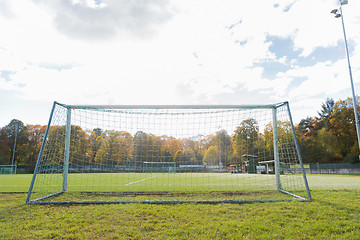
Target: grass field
159, 186
333, 213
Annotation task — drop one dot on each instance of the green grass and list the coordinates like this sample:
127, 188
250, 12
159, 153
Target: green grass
16, 183
20, 182
179, 186
333, 182
333, 213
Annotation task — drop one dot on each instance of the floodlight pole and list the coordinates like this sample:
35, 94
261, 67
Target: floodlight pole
13, 155
342, 2
220, 163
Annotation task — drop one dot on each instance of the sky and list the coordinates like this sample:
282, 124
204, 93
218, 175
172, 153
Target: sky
81, 52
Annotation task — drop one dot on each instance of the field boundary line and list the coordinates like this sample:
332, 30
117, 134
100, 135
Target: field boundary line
140, 180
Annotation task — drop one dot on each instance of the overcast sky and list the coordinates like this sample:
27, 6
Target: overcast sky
174, 52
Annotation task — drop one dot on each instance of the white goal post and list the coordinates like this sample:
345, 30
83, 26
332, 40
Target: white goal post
8, 169
123, 154
151, 167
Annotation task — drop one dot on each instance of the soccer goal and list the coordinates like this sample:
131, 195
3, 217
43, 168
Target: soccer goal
8, 169
169, 154
153, 167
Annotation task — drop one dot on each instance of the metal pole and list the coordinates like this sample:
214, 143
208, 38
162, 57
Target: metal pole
219, 153
220, 163
351, 81
67, 150
298, 153
36, 170
276, 150
13, 155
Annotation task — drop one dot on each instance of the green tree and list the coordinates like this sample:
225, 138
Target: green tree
246, 138
145, 149
189, 156
310, 148
224, 144
330, 148
306, 127
17, 129
327, 109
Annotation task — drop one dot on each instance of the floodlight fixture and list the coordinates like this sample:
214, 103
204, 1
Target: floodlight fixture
343, 2
334, 11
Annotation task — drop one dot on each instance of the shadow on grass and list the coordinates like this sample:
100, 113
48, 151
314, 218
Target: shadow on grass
342, 200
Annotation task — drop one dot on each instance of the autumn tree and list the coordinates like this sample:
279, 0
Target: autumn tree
310, 147
55, 138
330, 137
4, 148
284, 137
95, 141
178, 157
117, 147
35, 135
342, 126
169, 147
78, 146
125, 147
211, 157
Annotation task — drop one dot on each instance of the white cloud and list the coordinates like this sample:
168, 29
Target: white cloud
6, 9
96, 20
172, 52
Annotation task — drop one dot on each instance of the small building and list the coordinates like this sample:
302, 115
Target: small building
250, 163
269, 166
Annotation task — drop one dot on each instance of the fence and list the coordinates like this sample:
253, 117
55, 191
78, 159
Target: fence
335, 168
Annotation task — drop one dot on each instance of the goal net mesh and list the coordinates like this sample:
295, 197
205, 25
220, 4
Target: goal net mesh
126, 154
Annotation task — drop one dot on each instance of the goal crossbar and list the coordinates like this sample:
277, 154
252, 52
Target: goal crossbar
264, 106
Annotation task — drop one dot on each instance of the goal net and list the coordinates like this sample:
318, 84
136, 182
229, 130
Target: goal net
168, 154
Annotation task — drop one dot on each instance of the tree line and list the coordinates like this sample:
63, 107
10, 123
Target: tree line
98, 146
328, 137
331, 136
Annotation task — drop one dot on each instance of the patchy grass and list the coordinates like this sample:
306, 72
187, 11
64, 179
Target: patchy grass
331, 214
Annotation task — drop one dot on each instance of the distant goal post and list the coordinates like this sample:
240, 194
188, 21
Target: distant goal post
8, 169
130, 151
153, 167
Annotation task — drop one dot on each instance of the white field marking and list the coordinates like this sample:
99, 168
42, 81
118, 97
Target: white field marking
140, 180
